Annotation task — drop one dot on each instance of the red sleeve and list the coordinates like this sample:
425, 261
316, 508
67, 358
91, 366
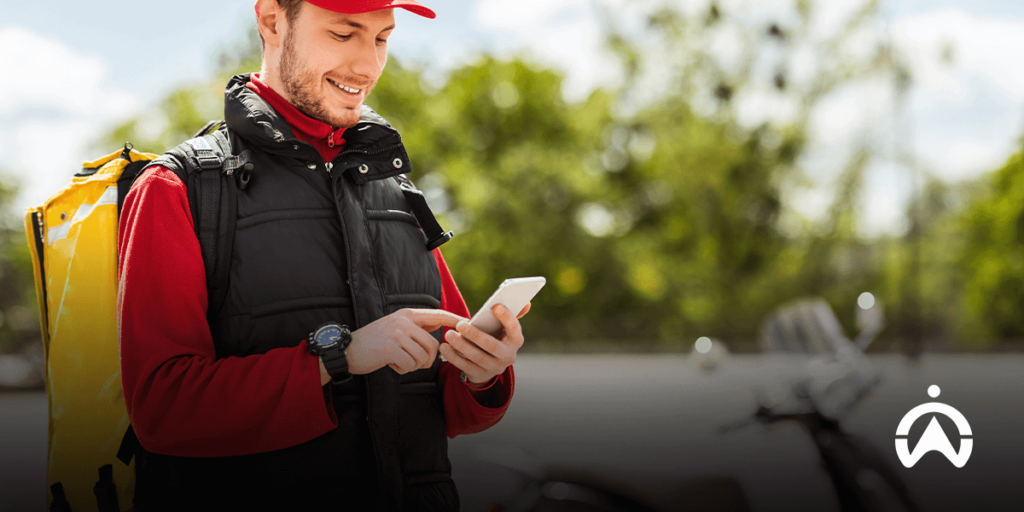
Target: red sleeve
181, 400
462, 413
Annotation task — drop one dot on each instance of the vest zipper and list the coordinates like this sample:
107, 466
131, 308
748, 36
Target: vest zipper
349, 278
330, 142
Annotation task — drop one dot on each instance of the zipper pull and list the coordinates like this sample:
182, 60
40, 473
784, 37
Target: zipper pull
330, 166
42, 228
330, 140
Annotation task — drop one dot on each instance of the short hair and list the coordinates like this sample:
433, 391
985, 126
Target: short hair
291, 11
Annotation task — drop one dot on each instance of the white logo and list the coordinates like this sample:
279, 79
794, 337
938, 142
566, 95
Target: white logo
934, 438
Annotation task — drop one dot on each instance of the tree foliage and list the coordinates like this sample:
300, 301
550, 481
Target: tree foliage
992, 257
659, 218
19, 324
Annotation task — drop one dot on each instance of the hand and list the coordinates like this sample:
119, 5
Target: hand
480, 355
400, 340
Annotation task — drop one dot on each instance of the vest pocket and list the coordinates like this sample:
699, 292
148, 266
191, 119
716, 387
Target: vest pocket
412, 300
392, 215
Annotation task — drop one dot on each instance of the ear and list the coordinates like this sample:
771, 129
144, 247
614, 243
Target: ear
270, 20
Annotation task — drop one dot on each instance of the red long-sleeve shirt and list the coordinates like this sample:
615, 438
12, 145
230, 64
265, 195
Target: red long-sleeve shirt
184, 401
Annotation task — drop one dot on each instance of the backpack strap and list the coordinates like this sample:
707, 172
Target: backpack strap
106, 491
129, 445
436, 235
210, 166
60, 500
207, 166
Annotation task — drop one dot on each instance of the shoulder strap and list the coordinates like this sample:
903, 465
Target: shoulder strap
436, 235
205, 163
211, 164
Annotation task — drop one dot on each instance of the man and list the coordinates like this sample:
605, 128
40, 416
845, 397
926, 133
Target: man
262, 398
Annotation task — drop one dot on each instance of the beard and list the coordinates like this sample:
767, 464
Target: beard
302, 85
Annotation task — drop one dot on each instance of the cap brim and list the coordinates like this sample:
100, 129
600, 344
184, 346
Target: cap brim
370, 6
415, 8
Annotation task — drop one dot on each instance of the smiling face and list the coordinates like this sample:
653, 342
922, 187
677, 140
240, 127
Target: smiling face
324, 63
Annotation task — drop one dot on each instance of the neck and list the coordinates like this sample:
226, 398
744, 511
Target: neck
269, 75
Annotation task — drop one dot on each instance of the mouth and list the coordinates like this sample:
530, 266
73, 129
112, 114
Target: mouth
349, 90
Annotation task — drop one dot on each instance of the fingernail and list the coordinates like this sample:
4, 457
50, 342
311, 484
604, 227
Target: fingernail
500, 309
461, 326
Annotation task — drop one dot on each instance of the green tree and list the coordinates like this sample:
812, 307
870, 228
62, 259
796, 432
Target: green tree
19, 320
654, 219
992, 257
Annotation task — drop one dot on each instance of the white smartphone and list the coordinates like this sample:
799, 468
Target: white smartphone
514, 294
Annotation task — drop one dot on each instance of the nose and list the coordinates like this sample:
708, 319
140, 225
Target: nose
369, 60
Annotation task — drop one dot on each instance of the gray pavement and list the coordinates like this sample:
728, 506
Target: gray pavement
651, 422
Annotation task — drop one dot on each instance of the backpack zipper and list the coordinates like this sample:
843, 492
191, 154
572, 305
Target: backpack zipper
42, 230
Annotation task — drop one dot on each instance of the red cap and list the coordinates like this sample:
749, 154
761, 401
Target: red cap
361, 6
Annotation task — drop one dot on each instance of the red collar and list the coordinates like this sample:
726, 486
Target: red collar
305, 128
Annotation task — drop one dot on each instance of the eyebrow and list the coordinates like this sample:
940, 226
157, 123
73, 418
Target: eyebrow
360, 26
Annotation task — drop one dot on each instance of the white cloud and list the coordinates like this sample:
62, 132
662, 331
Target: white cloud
963, 116
519, 14
53, 102
968, 109
886, 192
988, 47
564, 34
45, 74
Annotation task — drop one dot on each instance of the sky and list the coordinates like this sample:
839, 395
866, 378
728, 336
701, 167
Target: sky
73, 69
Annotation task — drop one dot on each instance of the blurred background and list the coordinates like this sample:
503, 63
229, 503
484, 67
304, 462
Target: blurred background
677, 169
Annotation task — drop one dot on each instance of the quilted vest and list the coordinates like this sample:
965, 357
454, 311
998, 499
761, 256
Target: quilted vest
313, 242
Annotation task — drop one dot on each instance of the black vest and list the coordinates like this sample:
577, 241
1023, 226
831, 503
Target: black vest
313, 242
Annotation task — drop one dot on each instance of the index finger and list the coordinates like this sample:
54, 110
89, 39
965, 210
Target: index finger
433, 319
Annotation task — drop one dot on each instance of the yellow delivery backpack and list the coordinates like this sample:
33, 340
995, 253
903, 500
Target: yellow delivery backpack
73, 237
74, 243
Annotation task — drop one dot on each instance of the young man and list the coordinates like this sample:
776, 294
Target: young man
314, 381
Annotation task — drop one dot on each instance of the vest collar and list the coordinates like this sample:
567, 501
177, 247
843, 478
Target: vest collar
303, 127
251, 117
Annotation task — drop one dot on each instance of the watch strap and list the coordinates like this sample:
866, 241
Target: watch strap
336, 364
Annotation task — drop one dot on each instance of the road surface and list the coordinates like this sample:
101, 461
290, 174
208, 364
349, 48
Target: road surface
651, 422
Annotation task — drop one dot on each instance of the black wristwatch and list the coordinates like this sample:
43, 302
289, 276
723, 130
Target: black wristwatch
330, 341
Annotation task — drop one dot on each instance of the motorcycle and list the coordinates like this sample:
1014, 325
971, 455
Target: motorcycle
828, 376
823, 376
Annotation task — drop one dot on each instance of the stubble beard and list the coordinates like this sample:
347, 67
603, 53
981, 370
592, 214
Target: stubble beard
301, 86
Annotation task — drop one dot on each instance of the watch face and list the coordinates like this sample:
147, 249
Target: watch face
328, 335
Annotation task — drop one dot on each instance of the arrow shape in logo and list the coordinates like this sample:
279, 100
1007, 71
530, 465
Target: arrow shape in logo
934, 438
